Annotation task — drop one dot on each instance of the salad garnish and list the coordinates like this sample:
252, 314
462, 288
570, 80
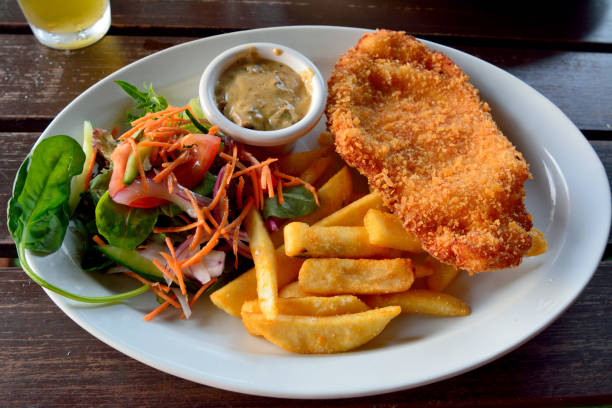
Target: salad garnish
163, 203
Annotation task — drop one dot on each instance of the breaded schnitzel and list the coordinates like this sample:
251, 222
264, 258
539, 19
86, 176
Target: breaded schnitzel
408, 119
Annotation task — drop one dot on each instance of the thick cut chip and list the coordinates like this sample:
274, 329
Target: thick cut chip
333, 195
296, 163
421, 301
308, 306
317, 335
333, 276
442, 275
264, 258
292, 290
352, 214
409, 120
386, 230
332, 242
231, 296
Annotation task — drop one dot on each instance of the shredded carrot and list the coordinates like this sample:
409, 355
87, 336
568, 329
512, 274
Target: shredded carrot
143, 176
157, 311
236, 223
163, 230
221, 191
253, 167
170, 167
155, 144
239, 191
131, 132
98, 240
196, 239
152, 124
213, 130
154, 154
235, 245
174, 264
269, 182
90, 168
279, 191
153, 285
308, 186
210, 218
253, 175
164, 271
201, 290
229, 158
212, 242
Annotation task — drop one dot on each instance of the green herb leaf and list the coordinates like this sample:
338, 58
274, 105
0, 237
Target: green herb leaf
298, 201
146, 100
123, 226
207, 185
38, 211
99, 185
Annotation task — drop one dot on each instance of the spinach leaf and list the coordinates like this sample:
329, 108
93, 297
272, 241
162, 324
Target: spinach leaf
84, 226
99, 185
123, 226
207, 184
38, 211
298, 201
170, 209
147, 100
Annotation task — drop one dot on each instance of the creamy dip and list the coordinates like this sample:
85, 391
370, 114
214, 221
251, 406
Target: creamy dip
261, 94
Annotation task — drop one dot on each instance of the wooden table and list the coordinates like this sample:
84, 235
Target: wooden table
565, 53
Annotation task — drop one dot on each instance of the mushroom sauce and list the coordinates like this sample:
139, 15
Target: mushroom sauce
261, 94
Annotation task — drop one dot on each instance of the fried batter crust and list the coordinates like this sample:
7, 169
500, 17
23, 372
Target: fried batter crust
409, 120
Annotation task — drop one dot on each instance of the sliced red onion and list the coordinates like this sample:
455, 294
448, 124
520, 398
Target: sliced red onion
217, 210
209, 267
271, 225
183, 302
151, 252
179, 196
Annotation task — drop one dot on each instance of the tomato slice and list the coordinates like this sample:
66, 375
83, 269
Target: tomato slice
119, 157
203, 154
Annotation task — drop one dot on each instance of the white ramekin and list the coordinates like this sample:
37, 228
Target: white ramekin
275, 52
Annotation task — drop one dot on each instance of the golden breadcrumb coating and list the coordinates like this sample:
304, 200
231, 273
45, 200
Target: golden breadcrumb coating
408, 119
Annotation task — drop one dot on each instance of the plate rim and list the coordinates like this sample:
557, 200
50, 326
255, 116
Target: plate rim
125, 349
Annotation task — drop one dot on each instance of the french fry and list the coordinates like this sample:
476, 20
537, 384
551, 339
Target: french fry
307, 306
386, 230
352, 214
292, 290
230, 297
332, 242
443, 274
421, 271
297, 163
316, 169
326, 139
313, 306
333, 276
333, 195
264, 259
538, 243
417, 301
323, 334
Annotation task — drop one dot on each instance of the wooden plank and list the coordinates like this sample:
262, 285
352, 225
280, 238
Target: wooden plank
17, 145
41, 81
48, 360
578, 23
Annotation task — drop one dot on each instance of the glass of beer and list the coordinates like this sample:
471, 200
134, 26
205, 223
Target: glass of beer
67, 24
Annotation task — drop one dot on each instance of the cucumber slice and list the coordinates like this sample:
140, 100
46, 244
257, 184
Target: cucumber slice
137, 264
197, 108
78, 182
131, 167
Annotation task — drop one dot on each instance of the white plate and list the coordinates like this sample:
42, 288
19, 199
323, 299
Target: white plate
568, 196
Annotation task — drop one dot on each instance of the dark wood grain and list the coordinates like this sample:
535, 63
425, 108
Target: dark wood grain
37, 82
584, 23
47, 360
